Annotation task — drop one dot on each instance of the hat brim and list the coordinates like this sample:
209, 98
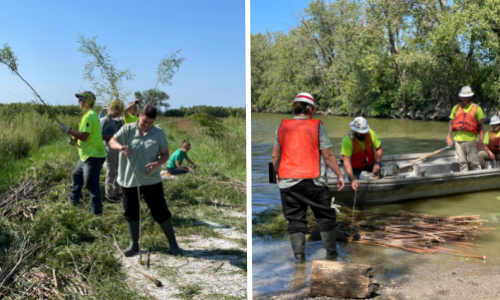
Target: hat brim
495, 123
359, 130
466, 95
305, 101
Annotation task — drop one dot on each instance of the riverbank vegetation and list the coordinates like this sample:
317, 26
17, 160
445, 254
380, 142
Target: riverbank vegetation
49, 247
381, 58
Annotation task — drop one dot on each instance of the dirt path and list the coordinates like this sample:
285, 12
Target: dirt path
210, 268
464, 283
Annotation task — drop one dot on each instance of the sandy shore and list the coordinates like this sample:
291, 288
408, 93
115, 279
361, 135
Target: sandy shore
466, 282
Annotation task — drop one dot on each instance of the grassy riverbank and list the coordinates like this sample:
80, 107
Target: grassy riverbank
41, 236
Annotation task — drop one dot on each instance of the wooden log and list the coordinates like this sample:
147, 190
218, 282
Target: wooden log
343, 280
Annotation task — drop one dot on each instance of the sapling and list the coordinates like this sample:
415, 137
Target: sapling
8, 58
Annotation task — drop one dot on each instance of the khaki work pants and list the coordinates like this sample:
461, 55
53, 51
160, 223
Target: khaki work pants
469, 149
484, 157
111, 167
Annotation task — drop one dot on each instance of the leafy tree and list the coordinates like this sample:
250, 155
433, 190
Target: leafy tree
154, 97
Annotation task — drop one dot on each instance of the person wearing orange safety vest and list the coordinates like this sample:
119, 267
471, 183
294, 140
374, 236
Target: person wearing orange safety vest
301, 155
466, 123
491, 150
361, 151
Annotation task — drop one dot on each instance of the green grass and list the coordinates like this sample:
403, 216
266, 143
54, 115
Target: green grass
74, 241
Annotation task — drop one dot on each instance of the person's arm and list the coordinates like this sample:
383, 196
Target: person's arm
449, 141
480, 144
348, 171
114, 144
165, 155
83, 136
276, 161
378, 158
191, 162
331, 162
178, 165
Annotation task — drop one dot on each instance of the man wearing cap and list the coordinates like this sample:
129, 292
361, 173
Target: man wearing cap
361, 151
301, 154
466, 122
491, 150
91, 151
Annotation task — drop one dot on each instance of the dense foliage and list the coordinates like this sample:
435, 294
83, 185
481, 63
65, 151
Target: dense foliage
375, 56
214, 111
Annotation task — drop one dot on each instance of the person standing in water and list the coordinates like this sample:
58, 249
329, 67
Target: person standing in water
301, 154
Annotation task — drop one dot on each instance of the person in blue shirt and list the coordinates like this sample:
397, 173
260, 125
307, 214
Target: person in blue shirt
174, 165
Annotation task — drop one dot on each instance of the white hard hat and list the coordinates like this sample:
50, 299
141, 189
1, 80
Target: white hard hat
466, 92
360, 125
495, 120
305, 97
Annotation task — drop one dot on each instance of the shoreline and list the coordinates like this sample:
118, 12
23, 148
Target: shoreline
464, 282
441, 115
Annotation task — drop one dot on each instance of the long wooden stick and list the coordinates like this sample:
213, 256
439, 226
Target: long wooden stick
424, 157
156, 281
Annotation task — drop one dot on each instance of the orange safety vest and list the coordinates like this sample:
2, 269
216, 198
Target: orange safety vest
494, 142
299, 143
361, 158
466, 121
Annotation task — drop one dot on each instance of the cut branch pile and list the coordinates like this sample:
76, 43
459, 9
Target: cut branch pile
418, 233
20, 203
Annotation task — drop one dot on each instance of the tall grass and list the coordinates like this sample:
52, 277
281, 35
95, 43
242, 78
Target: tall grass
72, 238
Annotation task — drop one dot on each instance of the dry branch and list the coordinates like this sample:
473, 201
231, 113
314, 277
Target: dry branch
418, 233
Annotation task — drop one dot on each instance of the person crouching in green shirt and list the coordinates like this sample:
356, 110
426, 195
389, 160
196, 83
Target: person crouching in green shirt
91, 151
174, 165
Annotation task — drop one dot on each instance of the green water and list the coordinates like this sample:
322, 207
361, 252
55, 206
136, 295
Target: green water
273, 265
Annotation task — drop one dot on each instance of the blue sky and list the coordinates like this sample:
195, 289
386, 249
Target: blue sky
274, 15
44, 35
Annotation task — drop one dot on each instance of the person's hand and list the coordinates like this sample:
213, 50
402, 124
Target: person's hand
449, 141
354, 184
194, 166
492, 156
150, 167
376, 168
480, 145
64, 128
340, 183
125, 150
277, 179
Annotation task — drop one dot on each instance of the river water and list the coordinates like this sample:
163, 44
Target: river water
273, 266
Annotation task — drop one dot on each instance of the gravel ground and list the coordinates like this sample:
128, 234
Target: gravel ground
207, 269
467, 282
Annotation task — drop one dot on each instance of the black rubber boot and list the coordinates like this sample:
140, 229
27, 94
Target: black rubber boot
330, 243
298, 240
133, 233
168, 230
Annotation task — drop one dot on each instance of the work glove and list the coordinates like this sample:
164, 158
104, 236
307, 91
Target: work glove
64, 128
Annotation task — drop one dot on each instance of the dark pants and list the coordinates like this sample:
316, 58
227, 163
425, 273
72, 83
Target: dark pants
87, 173
297, 198
357, 172
176, 171
154, 197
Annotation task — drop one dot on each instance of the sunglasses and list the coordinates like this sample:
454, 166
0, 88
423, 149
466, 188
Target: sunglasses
496, 125
80, 99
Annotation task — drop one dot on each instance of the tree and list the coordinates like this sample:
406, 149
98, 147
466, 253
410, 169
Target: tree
154, 97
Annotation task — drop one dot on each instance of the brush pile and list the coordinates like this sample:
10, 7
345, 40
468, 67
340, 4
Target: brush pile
21, 203
418, 233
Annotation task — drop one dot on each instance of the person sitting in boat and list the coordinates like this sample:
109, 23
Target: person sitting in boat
491, 150
361, 151
301, 154
466, 122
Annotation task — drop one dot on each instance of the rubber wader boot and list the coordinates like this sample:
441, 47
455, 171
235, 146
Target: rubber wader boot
133, 233
168, 230
298, 240
329, 242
